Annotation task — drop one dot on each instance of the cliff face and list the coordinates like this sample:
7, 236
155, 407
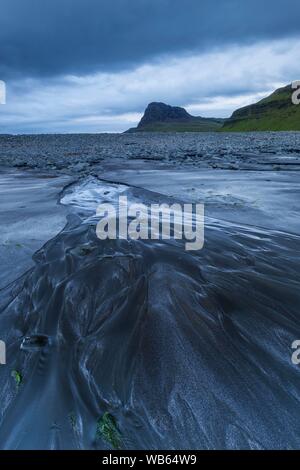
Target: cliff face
160, 112
274, 113
160, 117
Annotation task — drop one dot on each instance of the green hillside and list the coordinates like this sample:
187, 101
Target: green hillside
194, 126
274, 113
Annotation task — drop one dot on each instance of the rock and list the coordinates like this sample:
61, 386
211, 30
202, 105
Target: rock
80, 166
165, 118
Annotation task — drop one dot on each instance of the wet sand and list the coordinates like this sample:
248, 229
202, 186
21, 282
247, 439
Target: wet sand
186, 350
29, 216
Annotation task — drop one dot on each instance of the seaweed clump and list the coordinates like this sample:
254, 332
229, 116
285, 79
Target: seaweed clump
17, 376
108, 431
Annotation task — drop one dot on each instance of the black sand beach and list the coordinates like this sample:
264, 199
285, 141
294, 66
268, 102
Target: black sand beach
185, 350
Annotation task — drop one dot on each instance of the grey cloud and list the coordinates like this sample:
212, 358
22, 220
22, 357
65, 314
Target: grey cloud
231, 78
53, 37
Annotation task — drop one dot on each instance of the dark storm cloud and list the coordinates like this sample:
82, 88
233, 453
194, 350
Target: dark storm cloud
51, 37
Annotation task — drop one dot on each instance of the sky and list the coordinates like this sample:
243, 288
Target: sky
94, 65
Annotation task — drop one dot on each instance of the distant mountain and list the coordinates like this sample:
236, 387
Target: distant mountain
274, 113
160, 117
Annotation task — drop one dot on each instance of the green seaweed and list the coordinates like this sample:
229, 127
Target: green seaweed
85, 250
73, 420
12, 244
17, 376
108, 431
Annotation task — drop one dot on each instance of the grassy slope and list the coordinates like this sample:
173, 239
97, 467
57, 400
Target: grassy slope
274, 113
202, 126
